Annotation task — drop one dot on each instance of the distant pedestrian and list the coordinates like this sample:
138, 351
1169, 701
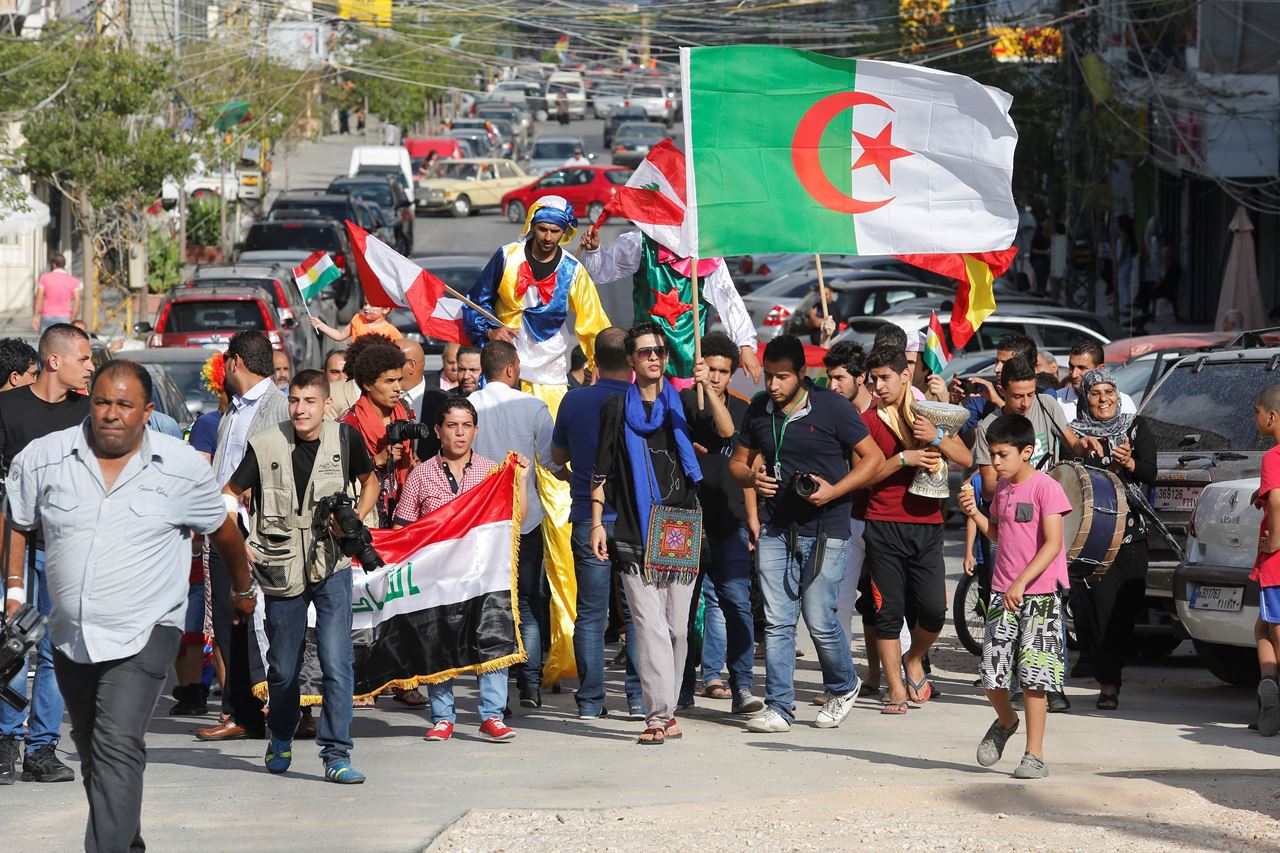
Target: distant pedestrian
57, 296
1266, 568
344, 120
361, 119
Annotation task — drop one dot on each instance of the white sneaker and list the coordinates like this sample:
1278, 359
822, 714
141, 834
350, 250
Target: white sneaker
837, 708
769, 721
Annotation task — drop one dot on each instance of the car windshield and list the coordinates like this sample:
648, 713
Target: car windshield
642, 133
379, 194
617, 176
1208, 409
290, 235
554, 149
329, 209
455, 171
214, 315
186, 375
1132, 378
648, 92
266, 284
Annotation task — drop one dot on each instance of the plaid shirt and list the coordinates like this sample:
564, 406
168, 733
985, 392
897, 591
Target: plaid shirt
430, 486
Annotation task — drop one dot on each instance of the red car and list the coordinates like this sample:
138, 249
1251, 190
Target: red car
210, 317
587, 188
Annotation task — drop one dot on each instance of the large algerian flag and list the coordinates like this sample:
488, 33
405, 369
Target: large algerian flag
791, 151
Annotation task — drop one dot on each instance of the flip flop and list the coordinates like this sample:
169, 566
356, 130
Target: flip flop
717, 690
672, 730
653, 736
894, 708
923, 688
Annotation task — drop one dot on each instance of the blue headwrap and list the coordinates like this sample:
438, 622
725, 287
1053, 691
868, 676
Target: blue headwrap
553, 210
563, 219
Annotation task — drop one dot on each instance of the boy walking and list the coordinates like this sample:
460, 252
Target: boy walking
1024, 636
1266, 568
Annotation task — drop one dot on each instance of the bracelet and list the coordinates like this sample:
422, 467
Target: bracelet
16, 593
594, 526
597, 501
937, 440
902, 460
251, 592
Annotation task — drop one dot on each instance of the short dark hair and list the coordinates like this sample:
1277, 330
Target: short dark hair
611, 349
1014, 430
639, 330
894, 358
137, 371
1017, 369
310, 379
59, 260
16, 356
890, 335
330, 354
788, 349
375, 361
719, 344
359, 345
1018, 344
1093, 350
466, 351
496, 357
577, 358
1269, 398
57, 337
456, 401
846, 354
254, 350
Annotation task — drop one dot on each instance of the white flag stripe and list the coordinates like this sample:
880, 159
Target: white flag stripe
447, 308
394, 271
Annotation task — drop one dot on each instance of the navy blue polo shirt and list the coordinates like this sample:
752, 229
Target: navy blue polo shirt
577, 430
818, 439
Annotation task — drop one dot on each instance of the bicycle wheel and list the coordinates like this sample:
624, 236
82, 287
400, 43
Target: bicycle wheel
966, 614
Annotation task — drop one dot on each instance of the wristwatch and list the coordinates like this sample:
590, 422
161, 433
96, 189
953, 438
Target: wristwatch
251, 592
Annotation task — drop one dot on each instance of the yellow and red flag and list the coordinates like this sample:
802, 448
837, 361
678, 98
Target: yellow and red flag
975, 298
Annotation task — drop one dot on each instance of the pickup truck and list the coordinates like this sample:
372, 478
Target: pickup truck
653, 98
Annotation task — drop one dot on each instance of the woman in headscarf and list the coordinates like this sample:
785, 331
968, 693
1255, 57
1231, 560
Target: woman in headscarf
1127, 450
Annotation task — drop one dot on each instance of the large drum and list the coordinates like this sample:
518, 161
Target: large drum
1094, 529
950, 420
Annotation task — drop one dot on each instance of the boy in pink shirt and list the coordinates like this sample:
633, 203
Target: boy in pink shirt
1024, 625
1266, 567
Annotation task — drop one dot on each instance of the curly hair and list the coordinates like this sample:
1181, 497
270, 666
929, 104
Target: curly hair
358, 346
371, 362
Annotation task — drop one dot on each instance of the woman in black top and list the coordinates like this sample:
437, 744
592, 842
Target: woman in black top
1115, 599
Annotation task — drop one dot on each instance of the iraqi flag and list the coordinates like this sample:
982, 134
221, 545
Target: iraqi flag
443, 604
792, 151
390, 280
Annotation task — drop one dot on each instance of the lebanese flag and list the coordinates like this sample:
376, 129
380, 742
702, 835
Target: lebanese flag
443, 604
654, 199
975, 298
390, 280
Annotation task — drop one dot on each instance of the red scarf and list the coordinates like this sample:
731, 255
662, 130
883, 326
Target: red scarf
367, 419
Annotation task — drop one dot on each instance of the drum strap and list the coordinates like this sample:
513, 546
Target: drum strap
1139, 502
1062, 439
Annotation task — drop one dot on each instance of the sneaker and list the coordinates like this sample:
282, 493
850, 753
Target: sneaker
191, 701
769, 721
279, 755
745, 703
1268, 707
343, 773
837, 708
441, 731
822, 698
9, 752
1031, 768
1059, 703
530, 697
42, 765
636, 712
992, 745
592, 715
495, 729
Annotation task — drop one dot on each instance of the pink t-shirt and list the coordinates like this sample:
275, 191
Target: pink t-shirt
1266, 568
59, 285
1018, 509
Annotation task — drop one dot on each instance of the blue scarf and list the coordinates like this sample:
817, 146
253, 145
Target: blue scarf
637, 426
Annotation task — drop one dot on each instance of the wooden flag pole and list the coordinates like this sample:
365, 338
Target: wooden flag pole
697, 330
474, 307
822, 294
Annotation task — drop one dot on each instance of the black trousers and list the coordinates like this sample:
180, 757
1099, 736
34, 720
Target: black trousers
907, 575
236, 644
1112, 609
110, 705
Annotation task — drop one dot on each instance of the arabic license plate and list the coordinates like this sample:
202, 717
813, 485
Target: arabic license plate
1176, 498
1229, 599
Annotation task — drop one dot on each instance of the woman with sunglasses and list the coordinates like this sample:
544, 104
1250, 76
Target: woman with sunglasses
645, 465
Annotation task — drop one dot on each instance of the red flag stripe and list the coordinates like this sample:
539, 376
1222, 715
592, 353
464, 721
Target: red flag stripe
646, 206
668, 160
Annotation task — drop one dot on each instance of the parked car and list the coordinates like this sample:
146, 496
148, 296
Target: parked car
771, 307
587, 188
382, 160
167, 397
277, 280
291, 241
1047, 332
619, 116
463, 186
605, 99
1021, 303
184, 365
421, 149
654, 99
388, 195
1123, 349
531, 94
481, 142
458, 271
1217, 603
633, 141
552, 152
210, 317
568, 83
868, 293
511, 120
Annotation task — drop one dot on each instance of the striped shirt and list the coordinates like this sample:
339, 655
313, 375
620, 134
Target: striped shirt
432, 485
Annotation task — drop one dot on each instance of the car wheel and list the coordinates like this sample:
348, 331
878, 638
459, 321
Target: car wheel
968, 614
515, 213
1236, 665
461, 207
594, 210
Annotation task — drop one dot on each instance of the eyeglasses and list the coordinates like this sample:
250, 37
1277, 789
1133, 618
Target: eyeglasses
645, 353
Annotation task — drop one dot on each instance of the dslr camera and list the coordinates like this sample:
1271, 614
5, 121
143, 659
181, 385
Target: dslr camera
804, 484
18, 636
398, 431
355, 540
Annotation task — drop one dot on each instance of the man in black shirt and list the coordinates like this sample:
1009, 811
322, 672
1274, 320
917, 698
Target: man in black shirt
729, 632
54, 402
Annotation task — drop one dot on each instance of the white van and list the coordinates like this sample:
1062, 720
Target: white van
382, 160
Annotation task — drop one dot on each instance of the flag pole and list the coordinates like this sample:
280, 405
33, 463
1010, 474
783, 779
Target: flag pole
474, 307
822, 294
697, 328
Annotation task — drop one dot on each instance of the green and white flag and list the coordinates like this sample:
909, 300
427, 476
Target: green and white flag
792, 151
316, 273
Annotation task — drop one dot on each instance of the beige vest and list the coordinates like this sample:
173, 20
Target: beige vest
284, 549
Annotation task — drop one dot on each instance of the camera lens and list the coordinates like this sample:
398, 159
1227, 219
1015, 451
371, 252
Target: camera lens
805, 485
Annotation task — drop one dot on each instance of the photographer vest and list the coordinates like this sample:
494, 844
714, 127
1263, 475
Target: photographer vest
285, 549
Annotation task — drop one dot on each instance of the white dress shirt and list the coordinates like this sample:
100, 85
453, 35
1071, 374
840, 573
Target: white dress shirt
240, 413
413, 398
508, 420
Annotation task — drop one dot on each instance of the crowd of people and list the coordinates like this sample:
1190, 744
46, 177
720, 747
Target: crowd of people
652, 493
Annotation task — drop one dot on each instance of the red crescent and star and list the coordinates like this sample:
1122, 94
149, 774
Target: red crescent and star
878, 151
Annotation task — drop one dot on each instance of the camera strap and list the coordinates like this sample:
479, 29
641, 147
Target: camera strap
780, 436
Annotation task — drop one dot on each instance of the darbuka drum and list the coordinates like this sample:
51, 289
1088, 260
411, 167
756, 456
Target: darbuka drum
950, 419
1094, 529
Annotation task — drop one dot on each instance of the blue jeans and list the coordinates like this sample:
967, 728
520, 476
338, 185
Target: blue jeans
533, 598
727, 627
493, 697
594, 577
286, 624
43, 717
791, 584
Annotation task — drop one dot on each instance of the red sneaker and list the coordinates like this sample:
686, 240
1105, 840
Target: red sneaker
441, 731
495, 729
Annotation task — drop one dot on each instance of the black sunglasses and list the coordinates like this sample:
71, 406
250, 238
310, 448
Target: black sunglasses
643, 353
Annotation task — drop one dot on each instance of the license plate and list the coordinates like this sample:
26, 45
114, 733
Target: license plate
1176, 498
1229, 599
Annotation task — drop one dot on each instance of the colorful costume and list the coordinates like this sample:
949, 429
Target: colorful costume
537, 310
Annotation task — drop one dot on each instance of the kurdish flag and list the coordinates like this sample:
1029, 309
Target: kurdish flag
935, 353
315, 274
792, 151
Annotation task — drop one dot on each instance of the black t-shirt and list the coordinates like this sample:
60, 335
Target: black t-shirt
723, 508
818, 439
541, 269
304, 459
432, 400
24, 417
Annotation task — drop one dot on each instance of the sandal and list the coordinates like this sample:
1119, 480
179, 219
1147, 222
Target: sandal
672, 730
1108, 701
717, 690
923, 688
895, 708
413, 698
366, 702
652, 736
